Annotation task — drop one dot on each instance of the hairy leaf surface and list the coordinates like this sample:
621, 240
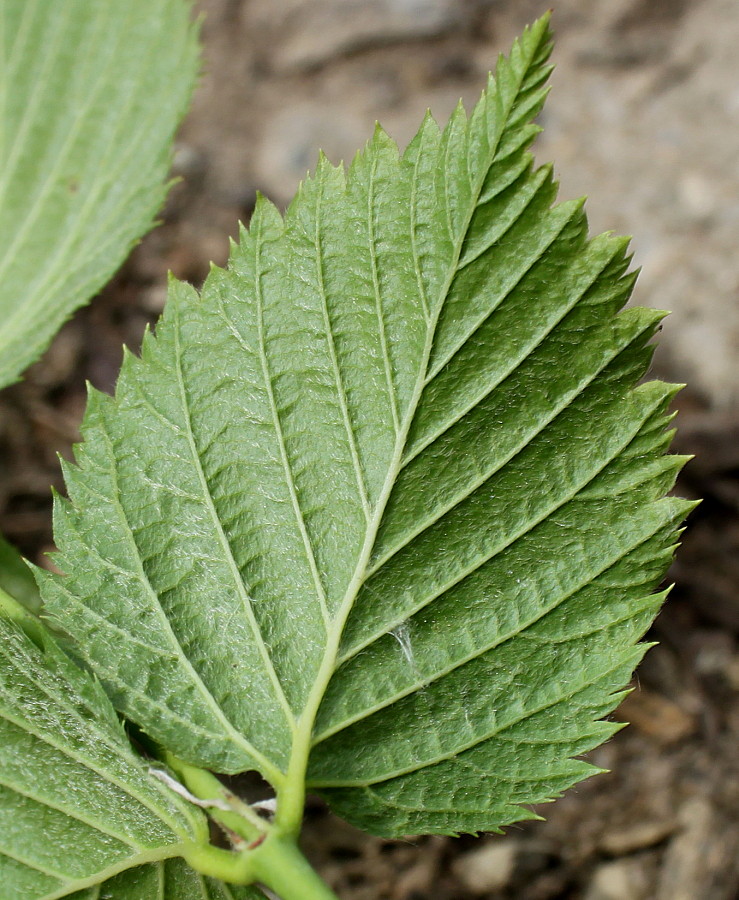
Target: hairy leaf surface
90, 94
76, 804
384, 501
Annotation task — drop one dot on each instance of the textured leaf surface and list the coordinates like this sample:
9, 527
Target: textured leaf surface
75, 802
387, 494
90, 94
170, 879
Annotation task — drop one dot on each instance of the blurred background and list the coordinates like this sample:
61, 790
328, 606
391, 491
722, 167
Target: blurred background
644, 118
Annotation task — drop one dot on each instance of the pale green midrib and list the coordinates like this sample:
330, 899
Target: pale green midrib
387, 363
538, 429
33, 100
386, 629
301, 747
340, 390
210, 701
279, 434
226, 547
500, 639
80, 884
72, 814
83, 759
582, 684
32, 214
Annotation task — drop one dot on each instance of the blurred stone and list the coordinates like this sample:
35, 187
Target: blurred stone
638, 836
487, 868
699, 861
656, 716
290, 142
309, 33
623, 879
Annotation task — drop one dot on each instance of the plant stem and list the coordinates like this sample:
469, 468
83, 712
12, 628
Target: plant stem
240, 819
279, 865
272, 857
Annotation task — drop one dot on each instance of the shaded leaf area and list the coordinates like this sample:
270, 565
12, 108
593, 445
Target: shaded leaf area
76, 804
90, 95
171, 879
17, 578
387, 488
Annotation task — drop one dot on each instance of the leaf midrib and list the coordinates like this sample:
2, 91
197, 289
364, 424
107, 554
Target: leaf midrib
301, 747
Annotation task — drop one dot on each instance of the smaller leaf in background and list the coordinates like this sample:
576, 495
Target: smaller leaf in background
76, 804
90, 95
16, 577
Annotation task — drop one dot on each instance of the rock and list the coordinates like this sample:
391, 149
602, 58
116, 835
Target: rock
290, 142
309, 33
489, 867
656, 716
638, 836
702, 857
623, 879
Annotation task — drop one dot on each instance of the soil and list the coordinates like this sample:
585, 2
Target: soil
644, 115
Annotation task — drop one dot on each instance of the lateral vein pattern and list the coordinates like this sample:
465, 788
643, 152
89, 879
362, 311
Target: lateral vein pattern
389, 489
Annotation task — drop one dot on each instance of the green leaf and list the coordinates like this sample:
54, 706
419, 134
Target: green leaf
90, 94
17, 578
171, 879
76, 804
381, 509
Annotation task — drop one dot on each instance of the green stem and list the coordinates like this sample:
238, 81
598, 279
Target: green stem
240, 819
272, 857
279, 865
